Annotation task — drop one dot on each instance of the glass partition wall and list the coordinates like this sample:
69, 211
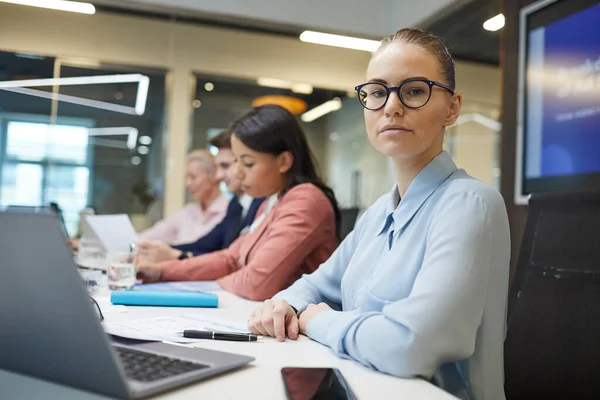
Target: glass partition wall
221, 100
81, 135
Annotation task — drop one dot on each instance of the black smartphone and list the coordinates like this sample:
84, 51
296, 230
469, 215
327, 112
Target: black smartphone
316, 384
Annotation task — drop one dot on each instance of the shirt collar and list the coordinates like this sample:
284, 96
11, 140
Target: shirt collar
271, 200
245, 201
219, 205
422, 187
270, 203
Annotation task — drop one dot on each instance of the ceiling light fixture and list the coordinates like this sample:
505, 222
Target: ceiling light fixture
145, 140
101, 105
131, 132
345, 42
113, 144
302, 88
320, 110
140, 104
495, 23
79, 80
142, 95
61, 5
274, 83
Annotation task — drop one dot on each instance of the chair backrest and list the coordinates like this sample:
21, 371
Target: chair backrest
348, 220
552, 348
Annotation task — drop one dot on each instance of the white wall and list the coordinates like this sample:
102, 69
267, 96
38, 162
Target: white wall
375, 18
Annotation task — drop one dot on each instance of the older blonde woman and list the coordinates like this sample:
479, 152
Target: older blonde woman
198, 218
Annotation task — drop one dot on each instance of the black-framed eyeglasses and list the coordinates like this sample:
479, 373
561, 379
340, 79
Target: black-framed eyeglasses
413, 93
99, 311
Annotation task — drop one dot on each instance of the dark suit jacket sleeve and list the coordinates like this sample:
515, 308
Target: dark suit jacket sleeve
212, 241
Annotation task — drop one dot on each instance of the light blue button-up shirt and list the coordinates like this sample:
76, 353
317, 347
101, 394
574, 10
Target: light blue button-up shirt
419, 288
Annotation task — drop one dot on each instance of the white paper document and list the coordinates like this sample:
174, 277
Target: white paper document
109, 308
170, 328
115, 232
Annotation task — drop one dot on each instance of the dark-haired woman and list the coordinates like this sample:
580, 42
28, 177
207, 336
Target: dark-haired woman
293, 232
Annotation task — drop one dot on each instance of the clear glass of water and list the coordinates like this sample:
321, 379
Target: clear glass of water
94, 279
121, 270
90, 254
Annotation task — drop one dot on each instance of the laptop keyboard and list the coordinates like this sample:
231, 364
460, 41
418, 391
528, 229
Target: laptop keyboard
148, 367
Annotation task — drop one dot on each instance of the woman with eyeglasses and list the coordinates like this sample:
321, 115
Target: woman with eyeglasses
419, 288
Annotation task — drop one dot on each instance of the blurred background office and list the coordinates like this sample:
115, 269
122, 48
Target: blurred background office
99, 107
101, 101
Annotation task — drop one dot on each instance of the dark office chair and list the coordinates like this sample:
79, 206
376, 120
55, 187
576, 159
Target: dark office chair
348, 220
552, 348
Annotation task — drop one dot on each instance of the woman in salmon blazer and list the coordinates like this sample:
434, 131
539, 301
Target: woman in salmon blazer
294, 231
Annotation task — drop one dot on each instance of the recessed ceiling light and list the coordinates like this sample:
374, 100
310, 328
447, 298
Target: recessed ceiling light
495, 23
296, 87
346, 42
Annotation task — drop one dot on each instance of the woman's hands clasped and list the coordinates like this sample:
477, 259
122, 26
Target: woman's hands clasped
278, 319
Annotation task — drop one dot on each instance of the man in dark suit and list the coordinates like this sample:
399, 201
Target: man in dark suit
240, 213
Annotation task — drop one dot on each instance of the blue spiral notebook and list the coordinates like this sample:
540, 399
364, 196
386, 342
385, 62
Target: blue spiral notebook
159, 296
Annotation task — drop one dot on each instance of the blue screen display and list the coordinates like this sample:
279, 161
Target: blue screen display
562, 122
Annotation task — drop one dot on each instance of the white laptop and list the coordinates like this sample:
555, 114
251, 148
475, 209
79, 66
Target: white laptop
113, 232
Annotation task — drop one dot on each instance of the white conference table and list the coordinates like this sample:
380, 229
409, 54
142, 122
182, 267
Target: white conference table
261, 379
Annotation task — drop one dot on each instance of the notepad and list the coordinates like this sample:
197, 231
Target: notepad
161, 298
169, 328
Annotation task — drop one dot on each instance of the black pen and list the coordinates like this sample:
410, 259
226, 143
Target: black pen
234, 337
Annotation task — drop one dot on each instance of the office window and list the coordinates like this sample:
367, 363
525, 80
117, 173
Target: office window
46, 163
38, 142
21, 184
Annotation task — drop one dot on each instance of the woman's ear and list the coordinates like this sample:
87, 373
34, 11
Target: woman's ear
453, 110
286, 160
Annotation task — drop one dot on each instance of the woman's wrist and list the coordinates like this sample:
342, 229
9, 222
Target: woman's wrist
175, 254
184, 255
